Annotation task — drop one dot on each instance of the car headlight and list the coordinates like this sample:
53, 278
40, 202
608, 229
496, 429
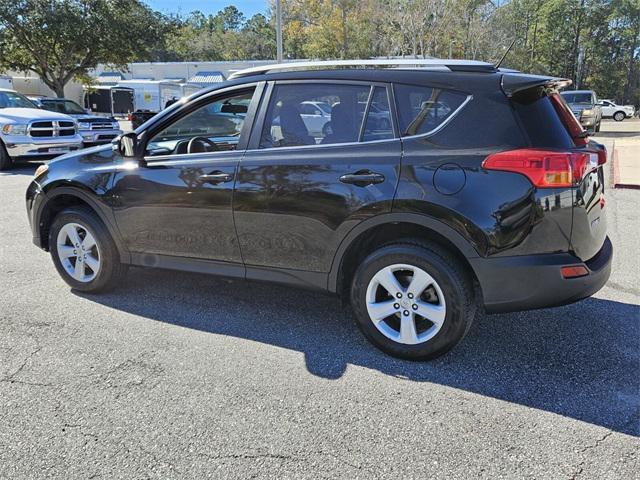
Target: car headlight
587, 113
84, 125
115, 125
14, 129
40, 170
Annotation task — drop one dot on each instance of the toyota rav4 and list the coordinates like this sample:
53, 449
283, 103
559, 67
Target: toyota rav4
438, 189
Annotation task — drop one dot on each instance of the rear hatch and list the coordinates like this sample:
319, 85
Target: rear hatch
551, 126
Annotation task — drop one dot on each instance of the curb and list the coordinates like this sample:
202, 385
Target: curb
616, 173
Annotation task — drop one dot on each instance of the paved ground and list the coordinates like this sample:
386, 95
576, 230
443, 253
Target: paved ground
186, 376
626, 138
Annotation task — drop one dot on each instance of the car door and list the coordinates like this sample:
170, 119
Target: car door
178, 202
297, 193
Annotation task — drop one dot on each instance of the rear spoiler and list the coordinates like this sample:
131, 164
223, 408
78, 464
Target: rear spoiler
512, 83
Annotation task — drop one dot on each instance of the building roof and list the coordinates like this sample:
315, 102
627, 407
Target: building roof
109, 77
207, 78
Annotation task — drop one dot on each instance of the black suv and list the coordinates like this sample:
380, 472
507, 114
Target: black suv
421, 193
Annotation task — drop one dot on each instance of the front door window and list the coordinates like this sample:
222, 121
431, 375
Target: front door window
213, 127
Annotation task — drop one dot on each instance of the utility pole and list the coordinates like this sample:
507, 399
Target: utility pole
278, 31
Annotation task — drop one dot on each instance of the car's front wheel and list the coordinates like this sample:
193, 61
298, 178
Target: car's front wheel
83, 251
413, 301
619, 116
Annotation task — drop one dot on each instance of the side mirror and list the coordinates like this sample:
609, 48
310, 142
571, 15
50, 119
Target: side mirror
126, 145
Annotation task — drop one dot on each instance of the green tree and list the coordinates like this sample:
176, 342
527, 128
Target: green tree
63, 39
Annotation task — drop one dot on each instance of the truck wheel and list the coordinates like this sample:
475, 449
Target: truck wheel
413, 301
5, 160
619, 116
83, 251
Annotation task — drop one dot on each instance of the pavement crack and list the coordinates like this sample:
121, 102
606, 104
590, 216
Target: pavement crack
11, 377
580, 467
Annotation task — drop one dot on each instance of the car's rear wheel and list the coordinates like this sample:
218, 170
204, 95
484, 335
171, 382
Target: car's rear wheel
413, 301
83, 251
619, 116
5, 160
597, 127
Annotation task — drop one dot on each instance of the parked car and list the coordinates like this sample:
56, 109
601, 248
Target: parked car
94, 130
26, 131
617, 112
484, 194
138, 117
586, 108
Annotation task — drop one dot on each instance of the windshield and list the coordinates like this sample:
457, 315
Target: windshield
571, 97
14, 100
62, 106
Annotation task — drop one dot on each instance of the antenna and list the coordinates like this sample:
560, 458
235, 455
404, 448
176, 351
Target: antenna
506, 53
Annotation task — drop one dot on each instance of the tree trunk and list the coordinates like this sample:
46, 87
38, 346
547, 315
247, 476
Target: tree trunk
631, 67
59, 89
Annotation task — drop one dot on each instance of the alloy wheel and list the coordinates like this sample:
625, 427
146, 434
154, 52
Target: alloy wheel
78, 252
406, 304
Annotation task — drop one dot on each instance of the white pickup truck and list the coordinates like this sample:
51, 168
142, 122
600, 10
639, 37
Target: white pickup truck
26, 131
617, 112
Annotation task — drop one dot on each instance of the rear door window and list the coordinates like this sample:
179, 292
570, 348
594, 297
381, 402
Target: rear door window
423, 109
337, 114
378, 125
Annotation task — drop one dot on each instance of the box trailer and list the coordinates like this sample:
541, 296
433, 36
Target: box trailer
109, 99
152, 95
6, 82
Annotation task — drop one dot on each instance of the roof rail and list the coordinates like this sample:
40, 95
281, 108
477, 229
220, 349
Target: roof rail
433, 63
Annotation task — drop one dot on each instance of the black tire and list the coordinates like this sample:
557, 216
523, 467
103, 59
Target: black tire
5, 160
454, 282
111, 271
326, 129
619, 116
598, 127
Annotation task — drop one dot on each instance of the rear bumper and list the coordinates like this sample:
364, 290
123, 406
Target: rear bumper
534, 281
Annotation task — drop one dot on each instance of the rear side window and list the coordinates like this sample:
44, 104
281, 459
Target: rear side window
541, 120
423, 109
314, 114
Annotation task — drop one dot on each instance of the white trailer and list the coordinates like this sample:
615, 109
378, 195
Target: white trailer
6, 82
190, 88
152, 95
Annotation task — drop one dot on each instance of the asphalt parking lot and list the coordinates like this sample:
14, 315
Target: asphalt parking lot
187, 376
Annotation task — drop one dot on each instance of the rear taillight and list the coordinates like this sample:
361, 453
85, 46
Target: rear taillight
573, 126
546, 168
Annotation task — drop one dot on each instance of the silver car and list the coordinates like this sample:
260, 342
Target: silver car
26, 131
586, 108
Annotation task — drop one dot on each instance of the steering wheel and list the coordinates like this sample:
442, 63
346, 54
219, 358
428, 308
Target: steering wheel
202, 140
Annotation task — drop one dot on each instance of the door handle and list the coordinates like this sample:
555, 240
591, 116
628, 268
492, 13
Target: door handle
216, 177
362, 178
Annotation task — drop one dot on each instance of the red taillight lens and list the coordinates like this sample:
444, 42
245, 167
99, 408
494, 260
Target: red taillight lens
545, 168
574, 271
569, 120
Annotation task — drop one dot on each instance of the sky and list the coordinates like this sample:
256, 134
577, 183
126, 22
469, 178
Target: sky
184, 7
